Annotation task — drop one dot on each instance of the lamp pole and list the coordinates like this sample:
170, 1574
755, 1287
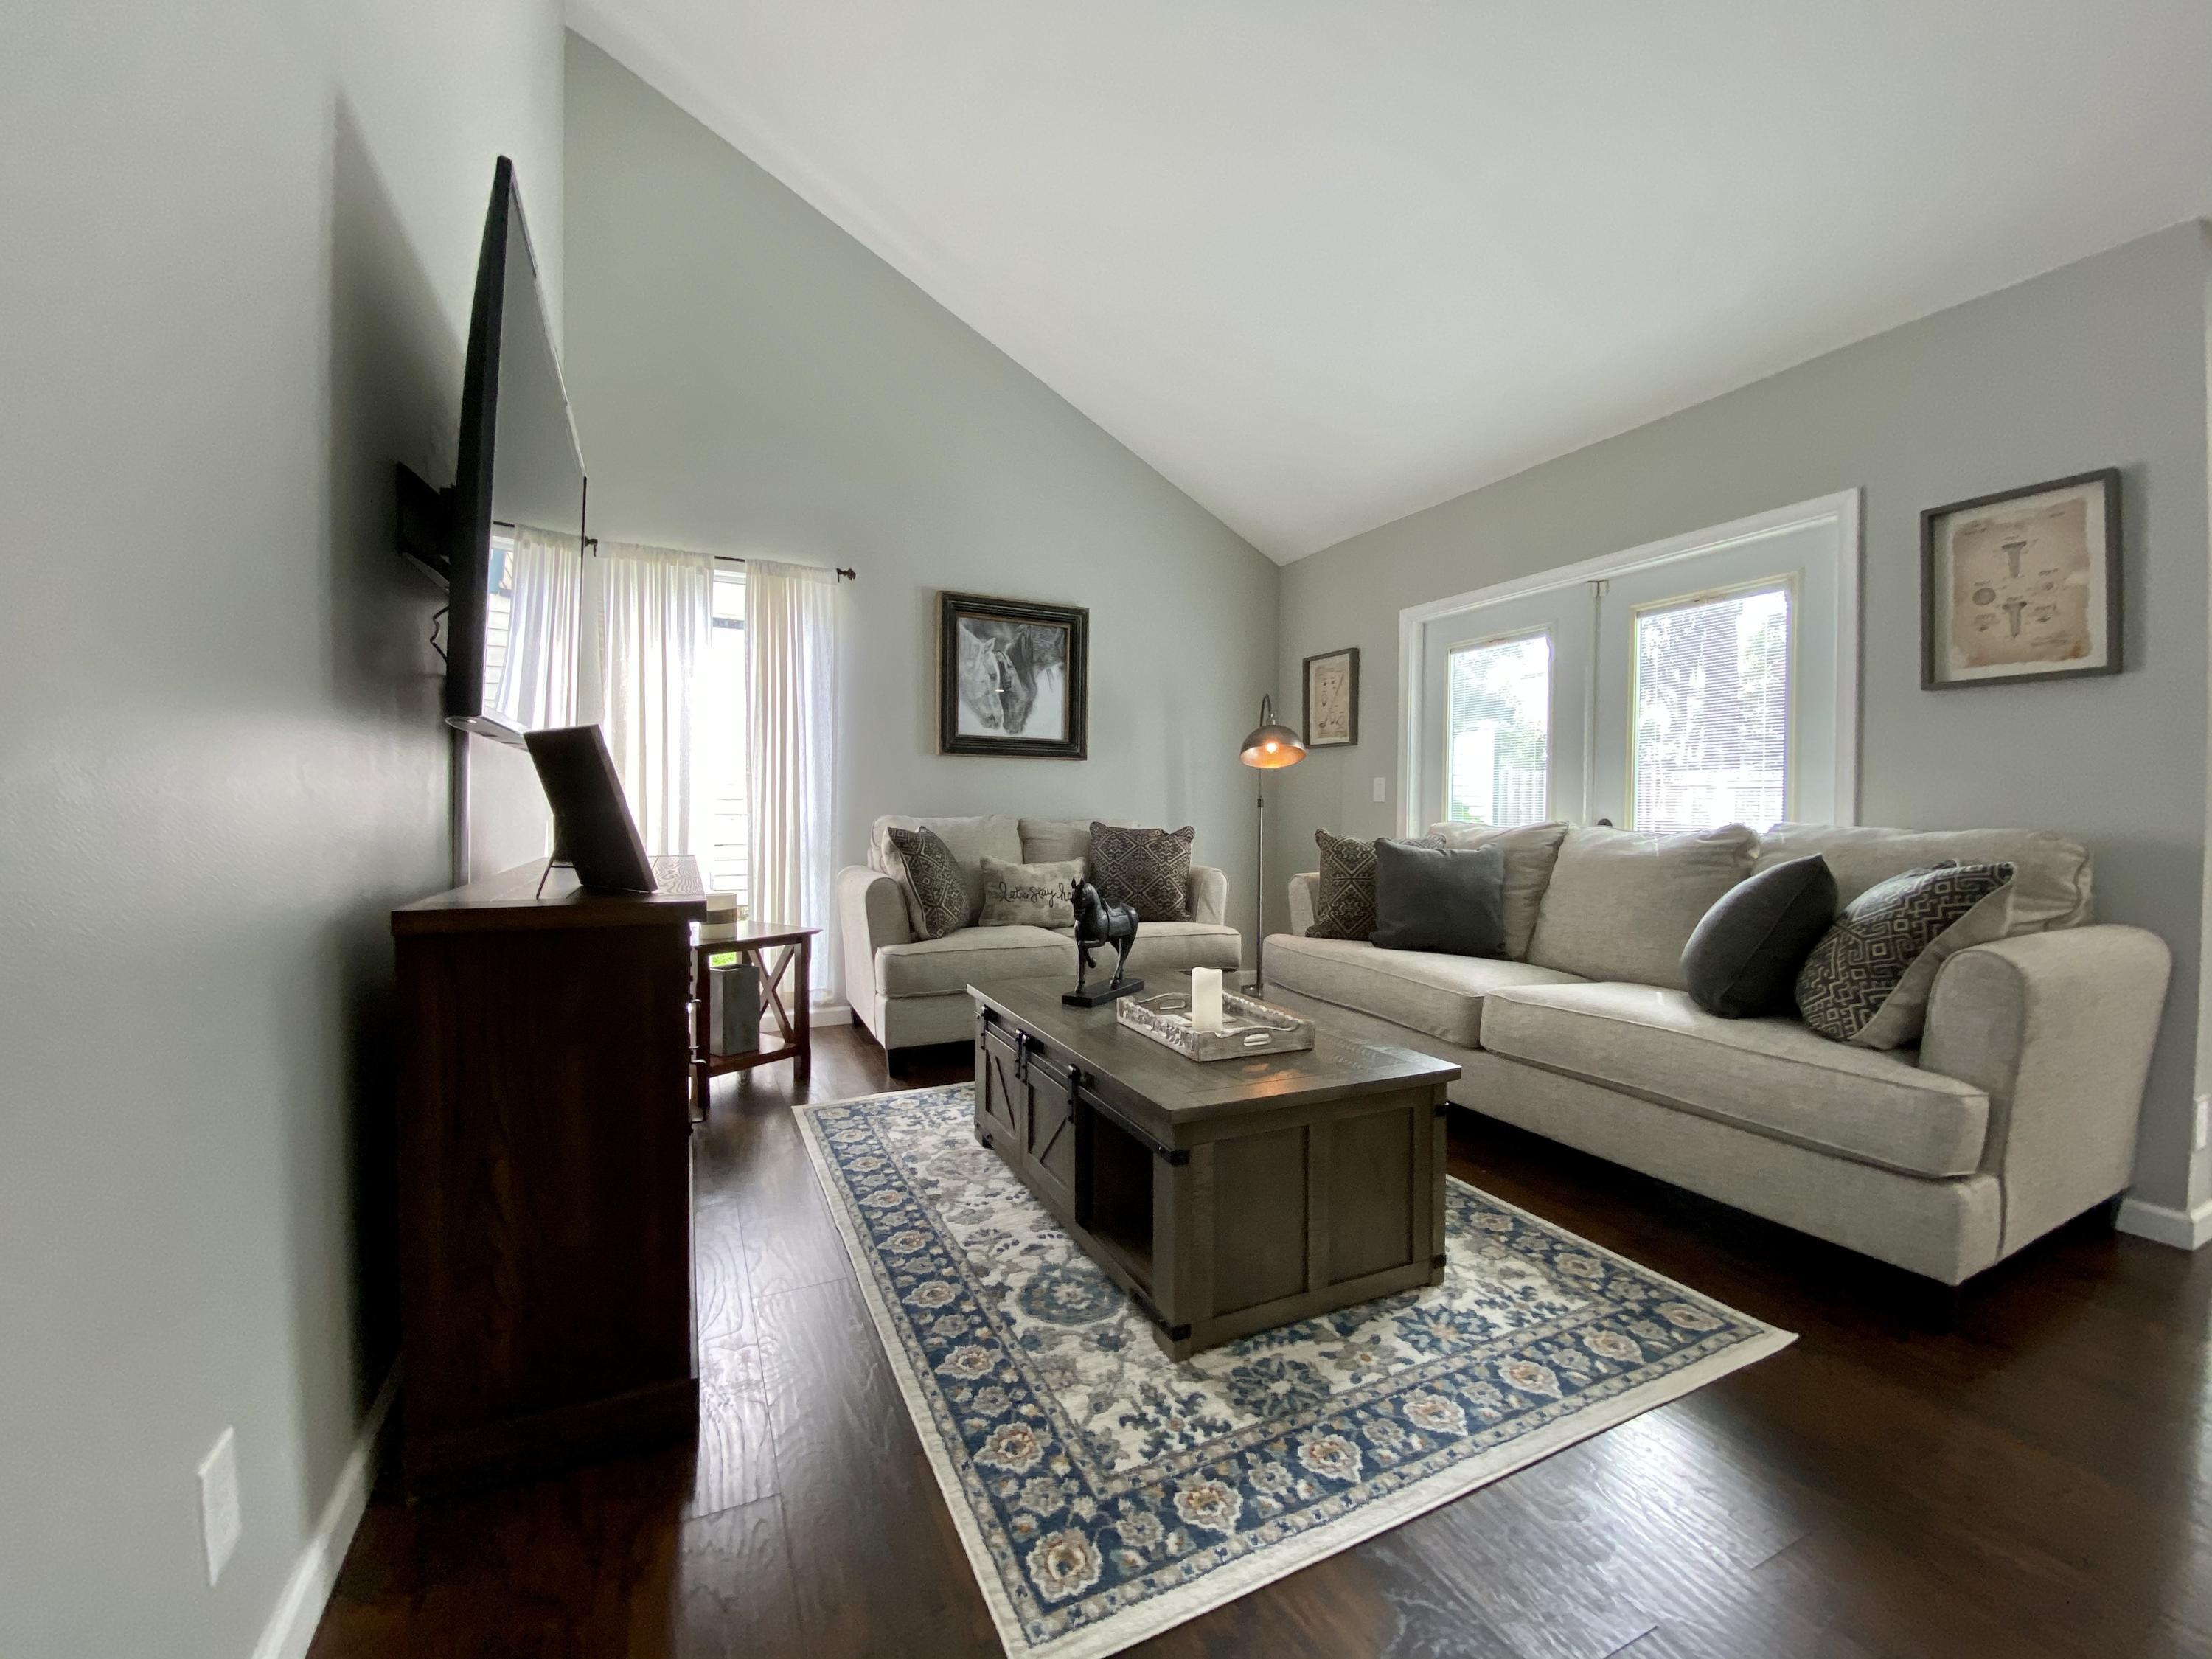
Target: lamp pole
1267, 748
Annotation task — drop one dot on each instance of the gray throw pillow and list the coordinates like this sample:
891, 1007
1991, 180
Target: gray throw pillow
1029, 895
932, 880
1867, 980
1742, 958
1438, 898
1148, 869
1344, 907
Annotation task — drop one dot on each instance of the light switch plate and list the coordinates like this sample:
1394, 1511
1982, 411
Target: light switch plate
219, 1523
1382, 788
2203, 1135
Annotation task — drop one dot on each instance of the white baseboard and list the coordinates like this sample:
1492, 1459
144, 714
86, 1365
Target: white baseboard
291, 1627
832, 1013
2186, 1229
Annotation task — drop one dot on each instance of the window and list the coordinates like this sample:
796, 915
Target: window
1498, 732
723, 740
1707, 679
1711, 706
499, 617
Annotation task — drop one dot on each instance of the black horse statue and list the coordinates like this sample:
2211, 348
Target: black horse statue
1098, 922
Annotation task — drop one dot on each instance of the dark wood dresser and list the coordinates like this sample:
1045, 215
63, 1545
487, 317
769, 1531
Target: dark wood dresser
544, 1176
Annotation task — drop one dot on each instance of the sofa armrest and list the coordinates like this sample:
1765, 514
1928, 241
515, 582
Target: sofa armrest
1303, 891
1209, 895
2057, 1027
870, 913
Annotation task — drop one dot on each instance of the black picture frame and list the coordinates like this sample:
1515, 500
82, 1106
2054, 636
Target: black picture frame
1306, 681
1934, 611
1073, 741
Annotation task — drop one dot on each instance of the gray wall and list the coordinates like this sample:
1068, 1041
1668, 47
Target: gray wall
2102, 363
240, 238
748, 379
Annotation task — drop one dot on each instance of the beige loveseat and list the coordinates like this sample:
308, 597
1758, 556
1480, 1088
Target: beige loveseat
2016, 1112
910, 991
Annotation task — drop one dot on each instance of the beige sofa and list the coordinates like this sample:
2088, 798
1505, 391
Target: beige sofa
2016, 1112
910, 992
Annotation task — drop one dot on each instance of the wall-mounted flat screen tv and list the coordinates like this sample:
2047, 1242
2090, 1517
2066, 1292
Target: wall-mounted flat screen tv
519, 491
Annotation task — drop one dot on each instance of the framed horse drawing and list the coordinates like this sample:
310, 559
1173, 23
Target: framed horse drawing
1012, 678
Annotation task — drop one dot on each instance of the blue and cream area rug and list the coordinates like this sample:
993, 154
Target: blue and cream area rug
1105, 1493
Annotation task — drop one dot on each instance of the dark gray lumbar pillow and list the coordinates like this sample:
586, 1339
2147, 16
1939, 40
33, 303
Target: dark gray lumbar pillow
1439, 898
1742, 958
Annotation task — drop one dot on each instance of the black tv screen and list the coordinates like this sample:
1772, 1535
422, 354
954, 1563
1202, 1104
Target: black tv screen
520, 468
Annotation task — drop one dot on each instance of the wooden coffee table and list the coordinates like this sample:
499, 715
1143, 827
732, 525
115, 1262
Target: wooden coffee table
1226, 1197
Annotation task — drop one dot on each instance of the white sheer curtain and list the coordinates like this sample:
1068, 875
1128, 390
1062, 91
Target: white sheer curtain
652, 611
791, 661
538, 685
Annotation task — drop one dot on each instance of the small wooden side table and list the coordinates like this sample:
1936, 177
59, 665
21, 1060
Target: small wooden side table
782, 954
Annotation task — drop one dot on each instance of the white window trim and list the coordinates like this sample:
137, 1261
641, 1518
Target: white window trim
1842, 508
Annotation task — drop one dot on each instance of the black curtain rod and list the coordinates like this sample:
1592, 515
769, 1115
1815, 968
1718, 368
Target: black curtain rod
719, 558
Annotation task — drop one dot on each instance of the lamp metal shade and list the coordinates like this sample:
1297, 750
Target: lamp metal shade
1271, 745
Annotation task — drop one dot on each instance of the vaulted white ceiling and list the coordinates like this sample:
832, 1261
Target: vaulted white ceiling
1323, 265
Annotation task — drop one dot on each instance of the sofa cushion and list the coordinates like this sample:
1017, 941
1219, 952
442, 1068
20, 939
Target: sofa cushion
929, 967
1055, 841
2050, 885
1771, 1076
1436, 996
968, 839
1867, 981
1622, 904
1171, 947
1530, 851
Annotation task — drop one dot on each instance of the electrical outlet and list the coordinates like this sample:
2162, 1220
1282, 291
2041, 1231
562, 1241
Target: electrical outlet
2203, 1138
219, 1523
1382, 788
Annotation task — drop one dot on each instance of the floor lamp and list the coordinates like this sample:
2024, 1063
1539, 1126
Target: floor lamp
1268, 748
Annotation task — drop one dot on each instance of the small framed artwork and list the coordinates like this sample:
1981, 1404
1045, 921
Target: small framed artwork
1333, 699
2022, 585
1012, 678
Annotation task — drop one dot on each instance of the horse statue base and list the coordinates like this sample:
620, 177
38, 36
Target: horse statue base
1099, 995
1097, 923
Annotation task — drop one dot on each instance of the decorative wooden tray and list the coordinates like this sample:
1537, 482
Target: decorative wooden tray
1248, 1027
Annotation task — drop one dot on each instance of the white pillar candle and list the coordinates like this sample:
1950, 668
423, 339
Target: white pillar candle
1205, 998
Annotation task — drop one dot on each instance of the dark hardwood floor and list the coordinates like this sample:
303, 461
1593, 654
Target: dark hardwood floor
2035, 1481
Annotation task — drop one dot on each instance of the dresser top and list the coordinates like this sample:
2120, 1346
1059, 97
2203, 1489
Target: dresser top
510, 901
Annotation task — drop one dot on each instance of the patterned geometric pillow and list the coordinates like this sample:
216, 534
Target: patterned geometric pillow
1867, 980
1148, 868
1344, 907
936, 894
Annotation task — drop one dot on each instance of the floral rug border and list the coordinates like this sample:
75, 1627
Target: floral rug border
1227, 1583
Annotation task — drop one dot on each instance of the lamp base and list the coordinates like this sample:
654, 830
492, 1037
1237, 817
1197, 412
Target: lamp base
1098, 996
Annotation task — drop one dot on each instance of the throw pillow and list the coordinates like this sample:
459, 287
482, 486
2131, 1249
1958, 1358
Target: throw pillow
937, 895
1029, 895
1344, 907
1742, 959
1435, 898
1530, 851
1867, 980
1149, 869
